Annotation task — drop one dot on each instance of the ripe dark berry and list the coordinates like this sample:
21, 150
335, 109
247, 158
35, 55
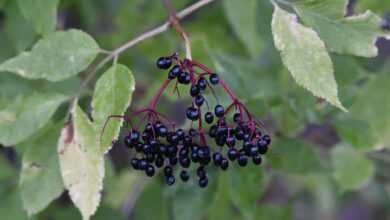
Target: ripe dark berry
224, 164
184, 78
203, 182
256, 159
242, 160
184, 176
172, 138
194, 91
199, 100
162, 131
192, 113
219, 110
217, 158
180, 134
128, 142
149, 170
201, 172
185, 162
214, 79
174, 72
230, 141
202, 83
209, 117
164, 62
213, 131
267, 139
237, 117
142, 164
135, 163
170, 180
159, 162
192, 132
254, 150
232, 154
168, 170
172, 161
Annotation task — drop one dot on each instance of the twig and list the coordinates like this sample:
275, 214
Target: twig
149, 34
174, 21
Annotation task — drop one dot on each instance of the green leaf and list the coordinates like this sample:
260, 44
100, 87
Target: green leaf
357, 133
113, 92
221, 207
119, 187
42, 14
305, 56
152, 198
293, 156
40, 179
355, 35
272, 211
245, 188
244, 24
81, 162
17, 29
25, 115
55, 57
11, 206
374, 5
373, 107
351, 169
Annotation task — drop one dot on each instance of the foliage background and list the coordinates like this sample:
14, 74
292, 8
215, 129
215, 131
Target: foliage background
324, 163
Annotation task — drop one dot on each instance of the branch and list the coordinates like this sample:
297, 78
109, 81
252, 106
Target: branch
149, 34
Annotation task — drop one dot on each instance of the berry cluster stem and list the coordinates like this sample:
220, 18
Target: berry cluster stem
157, 97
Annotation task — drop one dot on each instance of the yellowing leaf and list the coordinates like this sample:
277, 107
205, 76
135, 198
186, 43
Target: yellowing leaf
82, 164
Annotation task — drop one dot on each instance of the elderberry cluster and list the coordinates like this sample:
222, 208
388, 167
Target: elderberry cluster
231, 139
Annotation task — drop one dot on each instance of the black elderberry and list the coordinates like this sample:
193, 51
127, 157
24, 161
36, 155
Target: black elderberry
185, 162
256, 159
237, 117
192, 132
184, 176
224, 164
150, 157
162, 131
217, 158
199, 100
230, 141
195, 90
159, 161
201, 172
172, 161
267, 139
187, 141
232, 154
142, 164
171, 151
180, 134
242, 160
170, 180
135, 163
219, 111
213, 131
168, 170
149, 170
139, 147
209, 117
203, 182
202, 83
147, 149
172, 138
254, 150
183, 152
263, 146
192, 113
194, 156
164, 62
214, 79
174, 72
184, 78
128, 142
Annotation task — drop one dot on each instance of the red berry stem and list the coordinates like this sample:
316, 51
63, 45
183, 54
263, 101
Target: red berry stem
157, 97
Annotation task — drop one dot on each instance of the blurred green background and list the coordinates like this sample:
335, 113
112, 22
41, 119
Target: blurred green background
324, 163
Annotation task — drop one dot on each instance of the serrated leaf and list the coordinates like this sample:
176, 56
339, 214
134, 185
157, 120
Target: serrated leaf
245, 188
112, 96
55, 57
293, 156
25, 115
40, 179
355, 35
81, 162
305, 56
244, 24
351, 169
42, 14
373, 107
